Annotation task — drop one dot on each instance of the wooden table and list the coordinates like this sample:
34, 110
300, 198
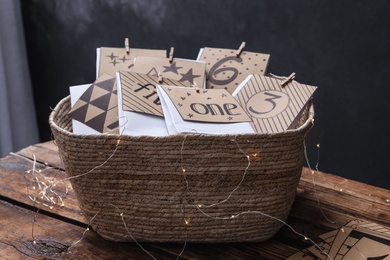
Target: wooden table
30, 228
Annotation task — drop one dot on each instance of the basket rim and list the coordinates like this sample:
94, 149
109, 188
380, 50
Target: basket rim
307, 125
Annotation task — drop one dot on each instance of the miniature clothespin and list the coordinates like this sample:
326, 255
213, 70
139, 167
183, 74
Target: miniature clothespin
127, 46
242, 46
195, 86
288, 79
160, 79
171, 54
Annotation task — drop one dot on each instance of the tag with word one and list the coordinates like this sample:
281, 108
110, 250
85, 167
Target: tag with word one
212, 111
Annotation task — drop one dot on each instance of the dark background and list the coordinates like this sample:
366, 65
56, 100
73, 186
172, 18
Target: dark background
343, 47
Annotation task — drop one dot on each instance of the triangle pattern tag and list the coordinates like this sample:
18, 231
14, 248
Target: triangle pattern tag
93, 105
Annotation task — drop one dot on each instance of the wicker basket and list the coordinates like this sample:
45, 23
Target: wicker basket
186, 187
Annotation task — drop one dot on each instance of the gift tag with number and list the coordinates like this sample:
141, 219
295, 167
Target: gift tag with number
225, 69
273, 108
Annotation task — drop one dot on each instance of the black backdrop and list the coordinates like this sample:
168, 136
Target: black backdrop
343, 47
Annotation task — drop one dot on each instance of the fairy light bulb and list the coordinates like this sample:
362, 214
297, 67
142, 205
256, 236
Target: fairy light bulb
187, 221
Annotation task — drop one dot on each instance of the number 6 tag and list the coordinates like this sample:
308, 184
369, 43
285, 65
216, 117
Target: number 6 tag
224, 69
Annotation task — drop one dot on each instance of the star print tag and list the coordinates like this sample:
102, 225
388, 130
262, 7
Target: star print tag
183, 70
95, 107
273, 108
207, 105
224, 69
139, 92
111, 60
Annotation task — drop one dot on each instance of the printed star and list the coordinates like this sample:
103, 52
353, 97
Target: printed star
180, 104
124, 59
189, 76
112, 56
208, 98
183, 98
114, 62
204, 91
190, 115
172, 68
230, 118
223, 95
188, 94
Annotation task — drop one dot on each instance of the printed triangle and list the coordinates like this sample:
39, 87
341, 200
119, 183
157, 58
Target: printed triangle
80, 113
102, 102
92, 112
97, 122
106, 84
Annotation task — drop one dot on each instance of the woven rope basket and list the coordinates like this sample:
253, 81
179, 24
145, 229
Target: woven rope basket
185, 187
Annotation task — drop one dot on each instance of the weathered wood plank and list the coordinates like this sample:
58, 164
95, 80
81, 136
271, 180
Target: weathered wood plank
354, 188
345, 196
19, 183
55, 239
46, 153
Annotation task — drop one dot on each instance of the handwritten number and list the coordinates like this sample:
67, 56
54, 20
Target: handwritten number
271, 100
215, 70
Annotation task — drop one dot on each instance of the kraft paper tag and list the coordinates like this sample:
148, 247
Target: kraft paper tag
175, 124
185, 71
272, 108
112, 60
97, 106
139, 92
358, 239
369, 248
206, 105
225, 70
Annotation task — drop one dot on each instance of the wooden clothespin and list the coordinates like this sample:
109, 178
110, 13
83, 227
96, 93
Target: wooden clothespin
127, 46
171, 55
288, 79
238, 52
195, 86
160, 79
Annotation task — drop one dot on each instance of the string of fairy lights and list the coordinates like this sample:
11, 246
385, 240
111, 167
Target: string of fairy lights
45, 190
49, 196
